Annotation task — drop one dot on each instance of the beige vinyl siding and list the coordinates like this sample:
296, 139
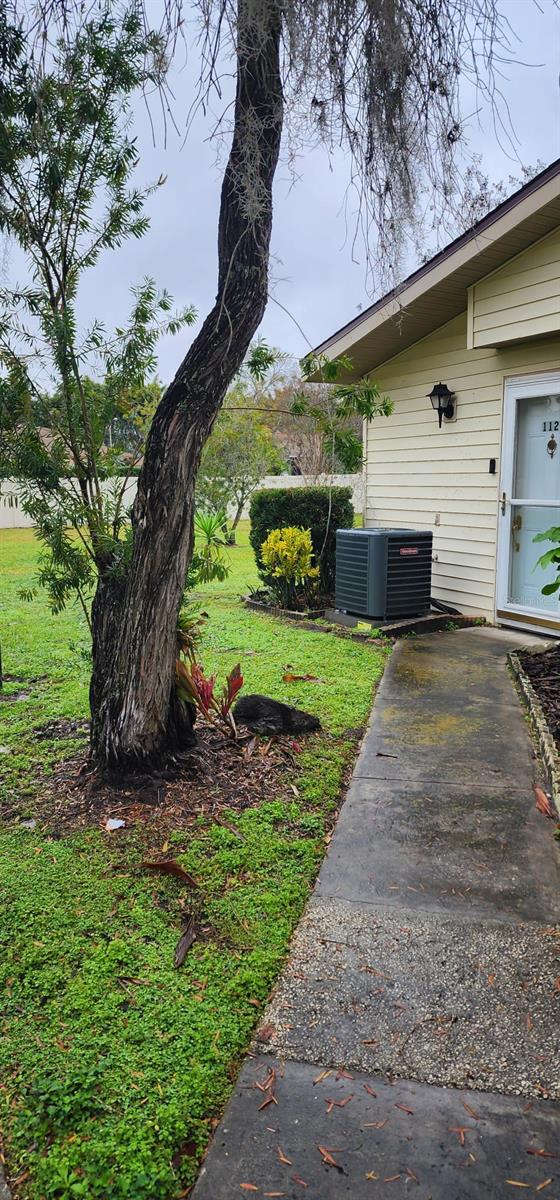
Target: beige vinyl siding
421, 477
520, 299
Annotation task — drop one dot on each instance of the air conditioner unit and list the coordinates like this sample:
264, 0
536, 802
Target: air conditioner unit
385, 574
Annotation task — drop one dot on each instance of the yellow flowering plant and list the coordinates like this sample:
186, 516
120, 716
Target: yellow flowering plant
288, 555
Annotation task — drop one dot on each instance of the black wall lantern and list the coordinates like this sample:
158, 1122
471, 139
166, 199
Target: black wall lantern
442, 401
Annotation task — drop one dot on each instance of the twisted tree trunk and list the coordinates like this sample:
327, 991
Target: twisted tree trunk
136, 716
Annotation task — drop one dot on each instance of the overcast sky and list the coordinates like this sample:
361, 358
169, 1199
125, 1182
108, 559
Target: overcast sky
314, 277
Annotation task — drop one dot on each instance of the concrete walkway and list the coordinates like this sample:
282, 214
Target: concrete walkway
411, 1045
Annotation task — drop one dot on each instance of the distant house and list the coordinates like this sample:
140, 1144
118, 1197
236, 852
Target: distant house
482, 319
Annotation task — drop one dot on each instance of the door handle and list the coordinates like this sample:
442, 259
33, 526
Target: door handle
503, 504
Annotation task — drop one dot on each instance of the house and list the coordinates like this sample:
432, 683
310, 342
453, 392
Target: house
480, 320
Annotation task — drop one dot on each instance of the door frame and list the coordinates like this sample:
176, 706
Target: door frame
516, 387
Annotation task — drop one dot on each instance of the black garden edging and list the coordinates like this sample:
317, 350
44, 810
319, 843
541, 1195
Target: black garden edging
547, 745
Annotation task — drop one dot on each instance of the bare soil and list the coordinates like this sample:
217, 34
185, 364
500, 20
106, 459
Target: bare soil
543, 670
217, 774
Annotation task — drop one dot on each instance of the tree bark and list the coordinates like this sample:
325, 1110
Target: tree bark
136, 716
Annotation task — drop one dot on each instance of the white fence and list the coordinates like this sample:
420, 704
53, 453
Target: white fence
13, 517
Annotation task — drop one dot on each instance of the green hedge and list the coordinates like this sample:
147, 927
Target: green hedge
308, 508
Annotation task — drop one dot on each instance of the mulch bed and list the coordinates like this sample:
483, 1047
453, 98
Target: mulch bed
543, 671
217, 774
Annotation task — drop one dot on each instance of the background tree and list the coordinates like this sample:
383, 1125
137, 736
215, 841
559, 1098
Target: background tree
66, 159
379, 79
238, 454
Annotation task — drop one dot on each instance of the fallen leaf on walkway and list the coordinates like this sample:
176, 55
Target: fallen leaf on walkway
170, 866
471, 1111
185, 942
270, 1078
269, 1100
248, 1187
371, 1175
556, 990
411, 1175
337, 1103
274, 1193
298, 1179
369, 1090
460, 1130
343, 1075
370, 1042
283, 1157
266, 1032
323, 1075
491, 980
404, 1108
543, 803
376, 1124
545, 1183
541, 1153
529, 1022
382, 754
329, 1160
391, 1178
516, 1183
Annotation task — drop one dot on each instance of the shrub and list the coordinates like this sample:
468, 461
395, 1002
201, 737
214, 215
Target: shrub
288, 555
322, 510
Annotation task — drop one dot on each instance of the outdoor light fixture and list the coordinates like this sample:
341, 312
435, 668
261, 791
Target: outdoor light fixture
442, 401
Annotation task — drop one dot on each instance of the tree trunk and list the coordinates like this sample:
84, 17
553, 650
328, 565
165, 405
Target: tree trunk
136, 716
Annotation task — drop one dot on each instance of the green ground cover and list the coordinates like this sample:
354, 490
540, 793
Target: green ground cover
113, 1064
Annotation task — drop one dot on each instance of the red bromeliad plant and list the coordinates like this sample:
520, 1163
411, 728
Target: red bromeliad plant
196, 688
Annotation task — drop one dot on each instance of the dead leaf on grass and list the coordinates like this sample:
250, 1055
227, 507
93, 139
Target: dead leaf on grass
185, 942
289, 678
170, 866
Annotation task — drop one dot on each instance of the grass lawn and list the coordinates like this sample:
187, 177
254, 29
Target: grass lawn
114, 1065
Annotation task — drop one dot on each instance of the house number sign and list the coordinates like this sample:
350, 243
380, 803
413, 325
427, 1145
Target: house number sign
551, 426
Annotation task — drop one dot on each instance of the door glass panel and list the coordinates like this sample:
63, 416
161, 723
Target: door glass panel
526, 579
536, 473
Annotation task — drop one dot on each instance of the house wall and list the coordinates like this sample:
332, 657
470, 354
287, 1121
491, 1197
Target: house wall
520, 299
423, 477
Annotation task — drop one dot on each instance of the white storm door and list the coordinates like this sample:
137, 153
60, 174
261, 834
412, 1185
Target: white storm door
529, 497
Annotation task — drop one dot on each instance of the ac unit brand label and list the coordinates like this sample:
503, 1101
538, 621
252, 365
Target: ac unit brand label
406, 550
